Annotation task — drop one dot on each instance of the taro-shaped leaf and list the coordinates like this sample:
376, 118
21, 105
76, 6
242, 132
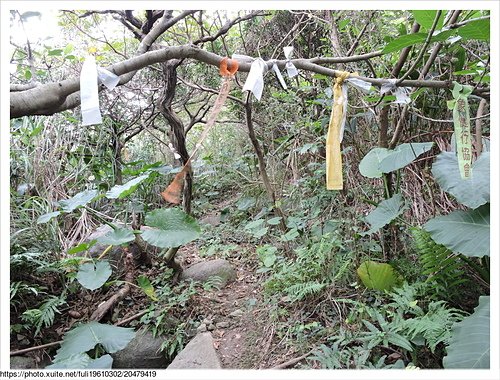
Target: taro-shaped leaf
378, 276
466, 232
121, 191
79, 200
117, 236
470, 342
86, 336
385, 212
369, 165
82, 361
170, 228
382, 160
47, 217
245, 203
403, 155
93, 276
472, 192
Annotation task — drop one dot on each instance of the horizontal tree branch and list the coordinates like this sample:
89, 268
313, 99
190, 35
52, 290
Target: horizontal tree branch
51, 98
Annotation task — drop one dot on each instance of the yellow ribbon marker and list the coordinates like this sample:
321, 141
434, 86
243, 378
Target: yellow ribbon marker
334, 179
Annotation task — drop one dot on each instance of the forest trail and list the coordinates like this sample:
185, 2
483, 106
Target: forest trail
234, 314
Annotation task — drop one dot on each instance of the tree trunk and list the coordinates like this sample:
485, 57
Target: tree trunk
177, 134
117, 147
262, 164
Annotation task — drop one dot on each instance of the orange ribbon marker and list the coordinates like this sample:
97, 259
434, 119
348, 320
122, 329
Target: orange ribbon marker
223, 67
172, 194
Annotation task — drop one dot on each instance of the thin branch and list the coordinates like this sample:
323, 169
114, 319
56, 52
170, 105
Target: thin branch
225, 28
424, 48
211, 90
35, 348
356, 42
293, 361
478, 132
445, 120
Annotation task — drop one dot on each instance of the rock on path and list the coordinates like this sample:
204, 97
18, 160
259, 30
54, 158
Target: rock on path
206, 269
198, 354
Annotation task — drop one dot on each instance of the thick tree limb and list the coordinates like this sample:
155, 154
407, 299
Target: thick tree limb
55, 97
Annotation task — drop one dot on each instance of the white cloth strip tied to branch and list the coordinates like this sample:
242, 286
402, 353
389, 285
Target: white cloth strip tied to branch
278, 74
360, 84
401, 93
343, 99
107, 78
255, 79
290, 67
89, 91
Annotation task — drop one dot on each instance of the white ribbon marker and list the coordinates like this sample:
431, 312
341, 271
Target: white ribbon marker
278, 74
360, 84
107, 78
401, 93
290, 67
255, 79
89, 93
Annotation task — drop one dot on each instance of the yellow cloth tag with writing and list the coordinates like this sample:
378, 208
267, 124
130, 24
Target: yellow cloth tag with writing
334, 180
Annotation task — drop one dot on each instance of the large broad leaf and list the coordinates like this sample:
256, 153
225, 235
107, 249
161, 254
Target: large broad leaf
47, 217
426, 18
385, 212
171, 227
79, 200
121, 191
117, 236
403, 155
82, 361
370, 164
378, 276
472, 192
404, 41
466, 232
470, 342
85, 337
93, 276
476, 30
415, 38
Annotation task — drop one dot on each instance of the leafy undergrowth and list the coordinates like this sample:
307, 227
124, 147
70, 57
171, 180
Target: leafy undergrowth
297, 298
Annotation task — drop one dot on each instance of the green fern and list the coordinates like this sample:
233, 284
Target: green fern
442, 267
315, 266
45, 314
435, 326
300, 291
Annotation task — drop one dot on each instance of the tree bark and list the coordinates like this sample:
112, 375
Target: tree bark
51, 98
262, 164
177, 135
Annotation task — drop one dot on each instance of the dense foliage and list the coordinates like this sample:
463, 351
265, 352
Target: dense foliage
390, 272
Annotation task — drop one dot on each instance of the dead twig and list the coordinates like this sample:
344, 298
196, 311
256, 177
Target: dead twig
40, 347
131, 318
292, 362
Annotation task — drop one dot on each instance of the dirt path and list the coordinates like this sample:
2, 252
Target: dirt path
234, 313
